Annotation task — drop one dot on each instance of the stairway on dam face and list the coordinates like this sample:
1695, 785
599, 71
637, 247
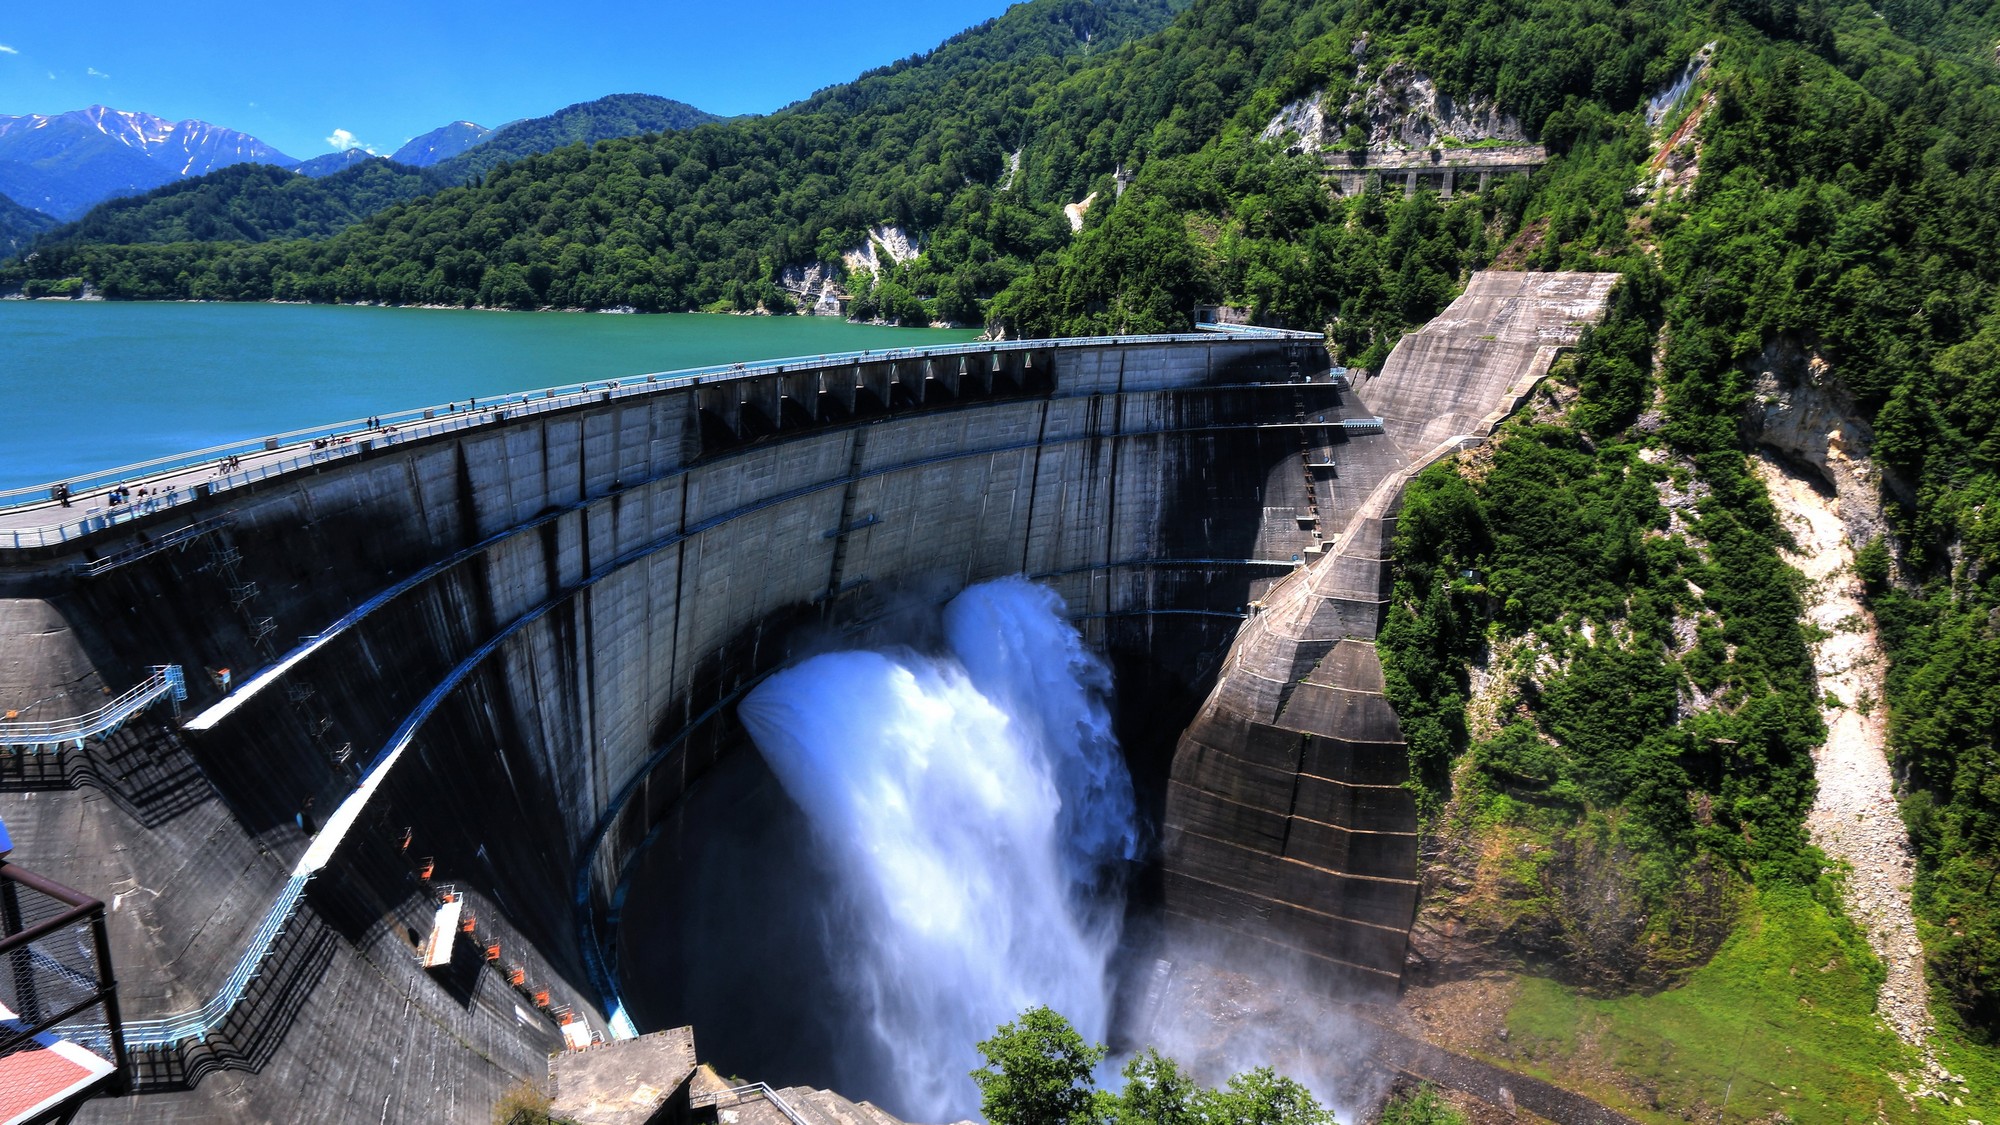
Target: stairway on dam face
1287, 822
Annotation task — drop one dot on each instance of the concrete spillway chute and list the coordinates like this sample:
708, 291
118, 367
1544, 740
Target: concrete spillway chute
1287, 822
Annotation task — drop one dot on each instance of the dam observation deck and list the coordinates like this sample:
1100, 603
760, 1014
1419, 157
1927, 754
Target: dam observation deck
61, 1039
1444, 170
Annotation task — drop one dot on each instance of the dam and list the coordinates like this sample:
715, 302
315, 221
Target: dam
447, 680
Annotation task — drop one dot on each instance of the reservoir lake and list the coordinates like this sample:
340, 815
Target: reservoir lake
91, 385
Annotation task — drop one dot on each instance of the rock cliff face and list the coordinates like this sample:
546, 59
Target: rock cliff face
814, 287
1503, 899
817, 286
1799, 409
886, 243
1401, 109
1404, 108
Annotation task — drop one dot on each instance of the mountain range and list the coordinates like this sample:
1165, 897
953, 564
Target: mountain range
63, 164
441, 143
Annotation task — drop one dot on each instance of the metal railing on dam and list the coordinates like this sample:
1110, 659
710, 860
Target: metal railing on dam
48, 515
165, 682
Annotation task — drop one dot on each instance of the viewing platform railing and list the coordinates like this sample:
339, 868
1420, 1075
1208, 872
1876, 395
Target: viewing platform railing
61, 1038
753, 1090
33, 517
202, 1022
166, 682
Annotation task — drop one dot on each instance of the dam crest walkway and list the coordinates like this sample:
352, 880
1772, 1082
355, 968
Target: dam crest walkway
60, 512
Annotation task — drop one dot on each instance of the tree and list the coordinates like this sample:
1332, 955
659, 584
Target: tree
1038, 1072
1261, 1097
1157, 1092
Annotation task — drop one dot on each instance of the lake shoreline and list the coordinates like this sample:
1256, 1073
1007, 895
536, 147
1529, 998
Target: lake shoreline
615, 310
115, 382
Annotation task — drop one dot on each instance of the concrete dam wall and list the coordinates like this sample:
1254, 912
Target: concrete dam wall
542, 616
1288, 826
489, 656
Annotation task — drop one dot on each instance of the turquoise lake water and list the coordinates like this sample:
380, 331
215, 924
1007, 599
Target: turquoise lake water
93, 385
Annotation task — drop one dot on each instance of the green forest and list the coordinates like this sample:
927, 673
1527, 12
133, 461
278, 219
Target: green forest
1847, 204
1037, 1070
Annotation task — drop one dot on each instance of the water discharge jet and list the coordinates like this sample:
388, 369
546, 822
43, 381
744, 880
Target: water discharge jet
982, 819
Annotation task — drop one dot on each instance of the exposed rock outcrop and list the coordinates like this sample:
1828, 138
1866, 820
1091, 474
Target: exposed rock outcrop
1800, 410
1502, 899
1304, 118
1402, 109
818, 289
1405, 109
1075, 212
886, 243
814, 287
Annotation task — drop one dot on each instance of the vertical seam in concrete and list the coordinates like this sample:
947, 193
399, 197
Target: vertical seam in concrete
587, 690
1034, 483
855, 449
548, 472
1298, 771
1111, 484
417, 491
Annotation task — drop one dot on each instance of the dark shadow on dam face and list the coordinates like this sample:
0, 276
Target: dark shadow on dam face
731, 922
726, 927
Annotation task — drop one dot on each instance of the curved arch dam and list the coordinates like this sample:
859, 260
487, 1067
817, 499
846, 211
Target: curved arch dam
496, 662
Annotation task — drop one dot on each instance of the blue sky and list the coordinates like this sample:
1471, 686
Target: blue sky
308, 78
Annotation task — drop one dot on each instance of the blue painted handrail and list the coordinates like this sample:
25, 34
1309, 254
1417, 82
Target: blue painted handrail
34, 734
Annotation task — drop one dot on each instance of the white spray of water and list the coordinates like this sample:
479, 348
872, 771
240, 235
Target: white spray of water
1663, 103
980, 813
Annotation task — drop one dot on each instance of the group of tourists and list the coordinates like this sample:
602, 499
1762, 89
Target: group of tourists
145, 500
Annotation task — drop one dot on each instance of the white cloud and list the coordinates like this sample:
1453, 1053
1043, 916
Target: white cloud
6, 50
94, 72
342, 140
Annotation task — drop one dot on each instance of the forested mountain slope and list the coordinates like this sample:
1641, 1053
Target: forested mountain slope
19, 225
260, 203
585, 123
710, 214
247, 203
